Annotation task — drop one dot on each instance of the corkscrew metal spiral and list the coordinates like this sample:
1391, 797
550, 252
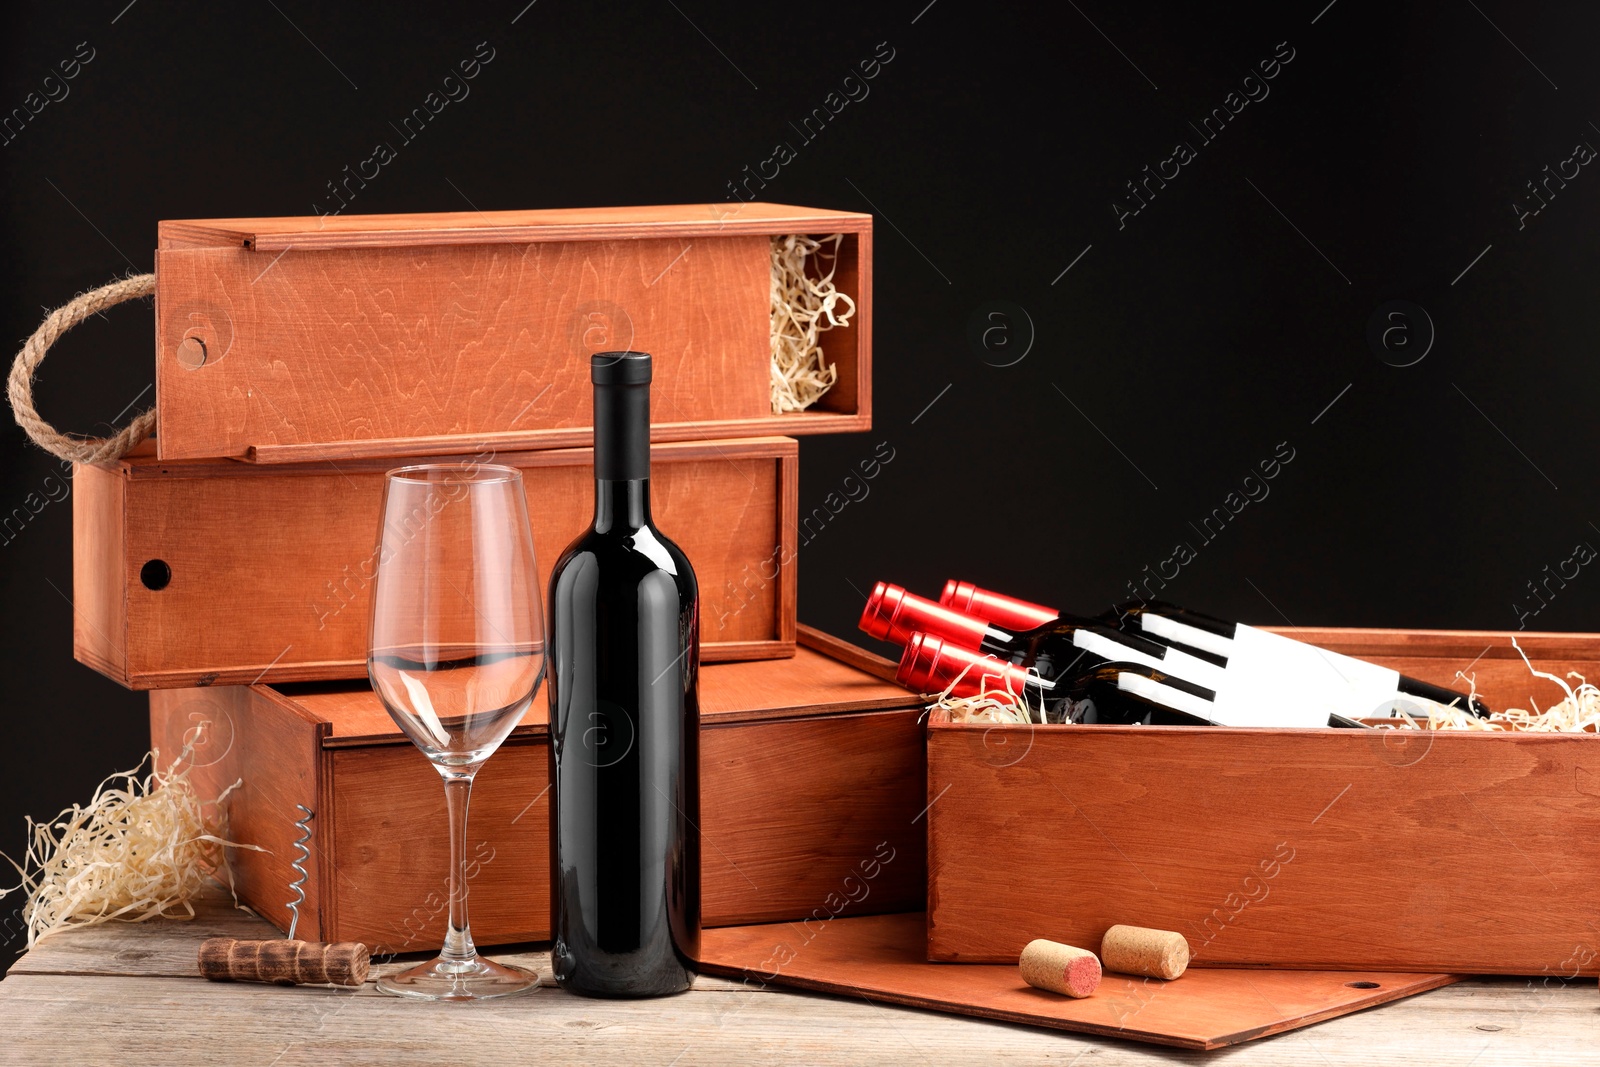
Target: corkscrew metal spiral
298, 886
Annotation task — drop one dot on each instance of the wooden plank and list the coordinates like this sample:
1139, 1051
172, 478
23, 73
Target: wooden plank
155, 948
843, 651
58, 1007
407, 341
99, 596
816, 420
880, 957
850, 348
61, 1005
809, 684
155, 1022
848, 804
390, 849
270, 568
1302, 848
788, 550
795, 816
270, 748
507, 227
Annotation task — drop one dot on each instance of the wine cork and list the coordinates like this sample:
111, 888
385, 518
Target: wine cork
1152, 953
224, 959
1060, 968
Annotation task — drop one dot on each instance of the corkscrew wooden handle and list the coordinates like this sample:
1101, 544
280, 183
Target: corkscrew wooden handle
224, 959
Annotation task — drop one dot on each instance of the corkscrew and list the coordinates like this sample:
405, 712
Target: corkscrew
288, 962
298, 886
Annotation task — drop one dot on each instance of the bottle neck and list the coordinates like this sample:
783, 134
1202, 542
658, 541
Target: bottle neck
931, 664
621, 432
1005, 612
621, 504
621, 456
892, 614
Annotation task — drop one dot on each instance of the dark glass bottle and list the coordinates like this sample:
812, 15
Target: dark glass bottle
1105, 694
1064, 647
1193, 630
624, 723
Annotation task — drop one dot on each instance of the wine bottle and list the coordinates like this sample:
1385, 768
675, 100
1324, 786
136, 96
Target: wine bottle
1107, 693
1065, 646
624, 723
1368, 690
1002, 610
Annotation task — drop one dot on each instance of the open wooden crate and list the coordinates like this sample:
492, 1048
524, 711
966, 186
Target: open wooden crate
293, 339
810, 768
1342, 849
205, 572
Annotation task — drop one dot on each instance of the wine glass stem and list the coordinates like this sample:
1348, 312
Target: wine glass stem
458, 947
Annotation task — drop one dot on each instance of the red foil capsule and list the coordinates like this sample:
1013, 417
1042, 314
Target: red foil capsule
1008, 613
892, 614
930, 665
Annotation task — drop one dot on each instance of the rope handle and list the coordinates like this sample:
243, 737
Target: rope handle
20, 385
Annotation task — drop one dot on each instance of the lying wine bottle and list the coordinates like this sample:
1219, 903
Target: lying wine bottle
1272, 659
1002, 610
1065, 647
1108, 693
624, 723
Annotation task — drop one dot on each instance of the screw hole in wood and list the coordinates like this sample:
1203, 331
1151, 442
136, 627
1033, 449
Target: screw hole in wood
191, 353
1363, 985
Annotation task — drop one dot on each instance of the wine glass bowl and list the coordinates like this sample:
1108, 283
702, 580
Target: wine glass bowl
456, 711
456, 654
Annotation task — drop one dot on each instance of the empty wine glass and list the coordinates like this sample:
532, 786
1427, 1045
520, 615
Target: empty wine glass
456, 654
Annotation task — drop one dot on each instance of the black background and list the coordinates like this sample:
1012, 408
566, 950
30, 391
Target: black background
1218, 322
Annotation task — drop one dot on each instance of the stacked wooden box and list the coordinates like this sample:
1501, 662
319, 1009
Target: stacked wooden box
227, 565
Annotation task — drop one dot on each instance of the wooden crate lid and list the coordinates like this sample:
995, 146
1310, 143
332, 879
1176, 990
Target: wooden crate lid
883, 958
827, 676
142, 462
729, 219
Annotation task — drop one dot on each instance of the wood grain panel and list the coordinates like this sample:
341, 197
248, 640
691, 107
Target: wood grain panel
880, 958
272, 749
99, 583
390, 860
812, 818
847, 347
803, 795
344, 345
1296, 848
271, 567
839, 649
452, 333
809, 684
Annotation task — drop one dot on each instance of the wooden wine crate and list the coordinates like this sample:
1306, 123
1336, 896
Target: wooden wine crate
811, 793
1324, 848
292, 339
214, 572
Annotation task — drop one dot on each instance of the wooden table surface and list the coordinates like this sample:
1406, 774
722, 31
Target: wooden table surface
128, 995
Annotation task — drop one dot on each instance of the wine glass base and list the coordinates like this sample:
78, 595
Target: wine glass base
474, 979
